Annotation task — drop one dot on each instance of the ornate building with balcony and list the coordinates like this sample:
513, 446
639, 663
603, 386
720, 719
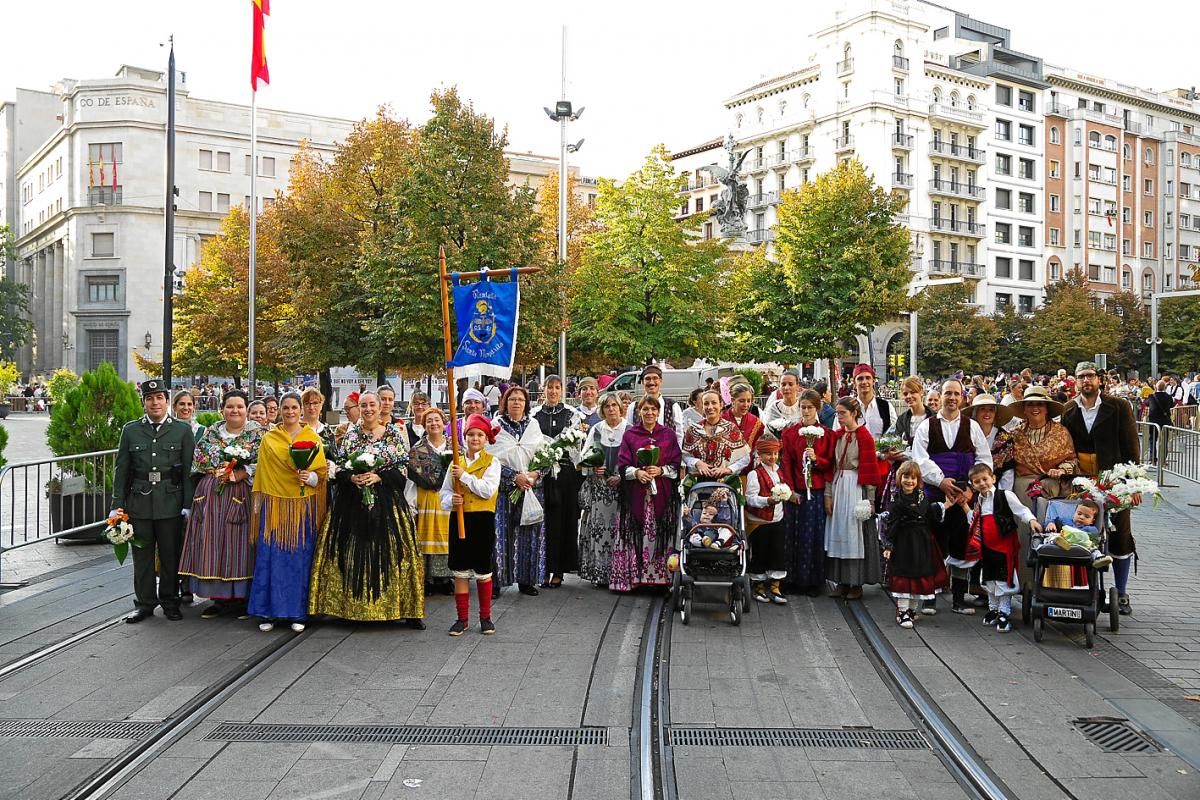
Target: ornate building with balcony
973, 133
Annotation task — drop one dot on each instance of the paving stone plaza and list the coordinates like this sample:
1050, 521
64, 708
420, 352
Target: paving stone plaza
589, 694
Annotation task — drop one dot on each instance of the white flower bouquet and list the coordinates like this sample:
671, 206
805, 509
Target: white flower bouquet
1121, 488
120, 534
863, 510
810, 433
236, 457
889, 442
780, 493
361, 463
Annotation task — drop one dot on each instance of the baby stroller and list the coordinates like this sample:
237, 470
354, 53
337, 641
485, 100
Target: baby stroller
1081, 603
703, 564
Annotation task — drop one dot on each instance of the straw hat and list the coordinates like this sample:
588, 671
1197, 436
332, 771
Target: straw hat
1003, 413
1036, 394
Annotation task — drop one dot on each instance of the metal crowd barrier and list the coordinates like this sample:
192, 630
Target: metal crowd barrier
1180, 449
54, 498
1185, 417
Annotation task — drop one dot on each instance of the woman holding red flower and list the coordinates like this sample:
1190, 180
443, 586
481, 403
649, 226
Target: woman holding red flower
287, 507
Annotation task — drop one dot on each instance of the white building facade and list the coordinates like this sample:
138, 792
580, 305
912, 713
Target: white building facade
940, 107
90, 199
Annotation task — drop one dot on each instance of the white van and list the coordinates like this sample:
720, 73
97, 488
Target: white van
676, 383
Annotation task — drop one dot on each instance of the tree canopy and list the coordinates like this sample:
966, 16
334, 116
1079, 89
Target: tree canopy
646, 287
1070, 327
951, 335
844, 256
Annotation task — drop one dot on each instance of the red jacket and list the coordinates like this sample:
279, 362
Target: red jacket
868, 461
791, 466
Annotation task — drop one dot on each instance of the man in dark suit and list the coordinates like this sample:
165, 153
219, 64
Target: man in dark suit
1105, 434
153, 485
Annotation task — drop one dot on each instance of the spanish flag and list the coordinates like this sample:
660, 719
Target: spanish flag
258, 54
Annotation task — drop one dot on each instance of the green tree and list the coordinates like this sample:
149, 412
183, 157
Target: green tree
90, 417
647, 287
1070, 327
62, 381
1132, 351
764, 311
334, 213
15, 326
3, 444
951, 335
1013, 353
1179, 329
454, 193
546, 296
844, 256
211, 315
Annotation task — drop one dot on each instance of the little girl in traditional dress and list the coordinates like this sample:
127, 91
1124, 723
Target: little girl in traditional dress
916, 565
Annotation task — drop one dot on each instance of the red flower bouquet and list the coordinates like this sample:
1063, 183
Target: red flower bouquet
303, 454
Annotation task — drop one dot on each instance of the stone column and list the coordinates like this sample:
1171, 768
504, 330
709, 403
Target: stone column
38, 285
57, 307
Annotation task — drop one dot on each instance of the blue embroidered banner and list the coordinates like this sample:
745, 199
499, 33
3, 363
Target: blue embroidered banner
485, 315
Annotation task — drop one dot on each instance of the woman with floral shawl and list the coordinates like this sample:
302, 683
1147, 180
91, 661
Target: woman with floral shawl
741, 401
648, 519
218, 557
368, 566
713, 448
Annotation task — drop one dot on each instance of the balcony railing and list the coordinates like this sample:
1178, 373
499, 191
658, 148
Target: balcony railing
943, 267
972, 118
904, 179
949, 226
802, 154
760, 235
899, 62
972, 154
845, 66
763, 199
1057, 109
957, 189
843, 142
902, 140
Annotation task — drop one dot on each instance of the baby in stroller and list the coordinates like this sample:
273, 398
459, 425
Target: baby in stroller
710, 525
1081, 529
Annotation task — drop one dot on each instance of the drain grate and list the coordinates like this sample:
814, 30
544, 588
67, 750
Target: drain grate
75, 729
1115, 736
859, 738
408, 734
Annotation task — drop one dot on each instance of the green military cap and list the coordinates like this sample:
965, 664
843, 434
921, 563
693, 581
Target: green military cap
1085, 366
153, 386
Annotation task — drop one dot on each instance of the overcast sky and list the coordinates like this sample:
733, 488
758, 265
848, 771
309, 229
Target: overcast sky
647, 71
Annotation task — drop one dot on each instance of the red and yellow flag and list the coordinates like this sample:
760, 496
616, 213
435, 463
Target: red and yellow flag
258, 54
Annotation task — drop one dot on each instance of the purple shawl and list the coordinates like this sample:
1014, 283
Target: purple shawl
667, 442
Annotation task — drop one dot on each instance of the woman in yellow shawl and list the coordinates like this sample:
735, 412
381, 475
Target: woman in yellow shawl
288, 505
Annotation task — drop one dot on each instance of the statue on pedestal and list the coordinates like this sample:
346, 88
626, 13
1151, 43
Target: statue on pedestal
730, 208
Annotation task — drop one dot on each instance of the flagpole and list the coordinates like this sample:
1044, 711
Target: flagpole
169, 215
442, 280
251, 276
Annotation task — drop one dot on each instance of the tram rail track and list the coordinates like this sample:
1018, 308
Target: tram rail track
651, 749
120, 769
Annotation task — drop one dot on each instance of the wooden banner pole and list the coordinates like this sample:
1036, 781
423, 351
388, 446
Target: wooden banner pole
462, 528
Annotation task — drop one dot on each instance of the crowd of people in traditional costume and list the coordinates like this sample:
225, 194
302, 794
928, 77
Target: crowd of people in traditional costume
274, 515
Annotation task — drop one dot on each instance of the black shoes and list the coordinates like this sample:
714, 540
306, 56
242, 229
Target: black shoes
527, 588
138, 616
173, 614
416, 624
1124, 607
487, 627
458, 628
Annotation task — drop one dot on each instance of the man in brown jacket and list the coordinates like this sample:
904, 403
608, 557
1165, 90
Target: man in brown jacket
1105, 434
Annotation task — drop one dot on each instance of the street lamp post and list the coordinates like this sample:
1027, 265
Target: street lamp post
913, 290
562, 113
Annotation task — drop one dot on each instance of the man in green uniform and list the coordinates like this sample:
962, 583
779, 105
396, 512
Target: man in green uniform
153, 485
